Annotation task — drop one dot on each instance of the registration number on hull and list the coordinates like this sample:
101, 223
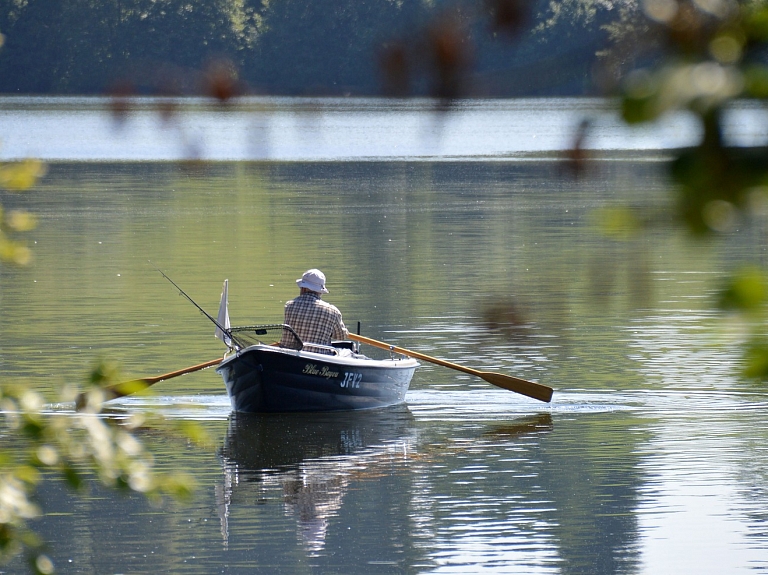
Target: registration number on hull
351, 380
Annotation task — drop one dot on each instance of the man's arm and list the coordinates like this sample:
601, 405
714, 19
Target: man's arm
340, 331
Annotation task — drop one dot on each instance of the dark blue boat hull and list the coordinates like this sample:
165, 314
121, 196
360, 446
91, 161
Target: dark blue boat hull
263, 379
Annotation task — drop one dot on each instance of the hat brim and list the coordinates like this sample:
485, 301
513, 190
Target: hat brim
313, 287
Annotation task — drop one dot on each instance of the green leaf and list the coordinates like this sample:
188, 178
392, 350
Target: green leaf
72, 477
756, 81
617, 222
32, 428
746, 291
756, 22
637, 110
756, 357
28, 474
181, 486
193, 431
104, 373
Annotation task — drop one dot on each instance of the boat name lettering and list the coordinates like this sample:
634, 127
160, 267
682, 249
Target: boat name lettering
325, 371
351, 380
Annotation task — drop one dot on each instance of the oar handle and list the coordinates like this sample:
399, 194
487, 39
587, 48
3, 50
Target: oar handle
414, 354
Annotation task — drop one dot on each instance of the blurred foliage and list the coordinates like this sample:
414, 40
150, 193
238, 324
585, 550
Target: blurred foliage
75, 446
745, 294
704, 56
17, 177
618, 222
21, 176
709, 54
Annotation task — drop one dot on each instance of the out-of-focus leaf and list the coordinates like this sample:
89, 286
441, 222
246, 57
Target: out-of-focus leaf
5, 459
72, 477
713, 173
450, 50
27, 474
687, 28
640, 89
756, 360
719, 215
193, 431
700, 87
756, 21
509, 16
756, 81
221, 80
32, 428
122, 483
637, 110
726, 48
745, 291
395, 65
104, 373
133, 386
14, 252
179, 486
43, 565
47, 455
21, 221
617, 222
7, 537
20, 176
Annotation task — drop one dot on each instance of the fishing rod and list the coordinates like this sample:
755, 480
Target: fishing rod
194, 303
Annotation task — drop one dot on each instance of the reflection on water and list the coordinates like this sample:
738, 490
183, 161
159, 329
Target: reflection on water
466, 481
311, 459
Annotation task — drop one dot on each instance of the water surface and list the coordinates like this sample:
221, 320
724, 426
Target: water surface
650, 459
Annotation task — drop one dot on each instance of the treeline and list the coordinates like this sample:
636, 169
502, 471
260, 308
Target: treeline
294, 47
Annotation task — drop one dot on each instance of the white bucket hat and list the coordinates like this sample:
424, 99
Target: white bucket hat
313, 280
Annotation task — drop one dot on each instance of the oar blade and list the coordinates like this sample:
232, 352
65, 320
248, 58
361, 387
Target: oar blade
521, 386
127, 388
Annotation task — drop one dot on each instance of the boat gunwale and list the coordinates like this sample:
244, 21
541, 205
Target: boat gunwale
389, 363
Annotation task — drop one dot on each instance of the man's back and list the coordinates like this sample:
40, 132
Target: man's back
314, 320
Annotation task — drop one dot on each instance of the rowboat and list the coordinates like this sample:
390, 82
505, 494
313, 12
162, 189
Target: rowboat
264, 377
269, 369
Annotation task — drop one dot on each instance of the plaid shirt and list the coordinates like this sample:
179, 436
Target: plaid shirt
314, 320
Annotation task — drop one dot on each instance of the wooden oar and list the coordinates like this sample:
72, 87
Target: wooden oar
521, 386
136, 385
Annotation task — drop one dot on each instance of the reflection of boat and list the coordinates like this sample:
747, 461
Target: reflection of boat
267, 378
258, 444
309, 459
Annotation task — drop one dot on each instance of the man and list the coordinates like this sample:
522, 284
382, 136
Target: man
313, 320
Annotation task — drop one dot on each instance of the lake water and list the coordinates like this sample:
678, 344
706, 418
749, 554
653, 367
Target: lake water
459, 235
